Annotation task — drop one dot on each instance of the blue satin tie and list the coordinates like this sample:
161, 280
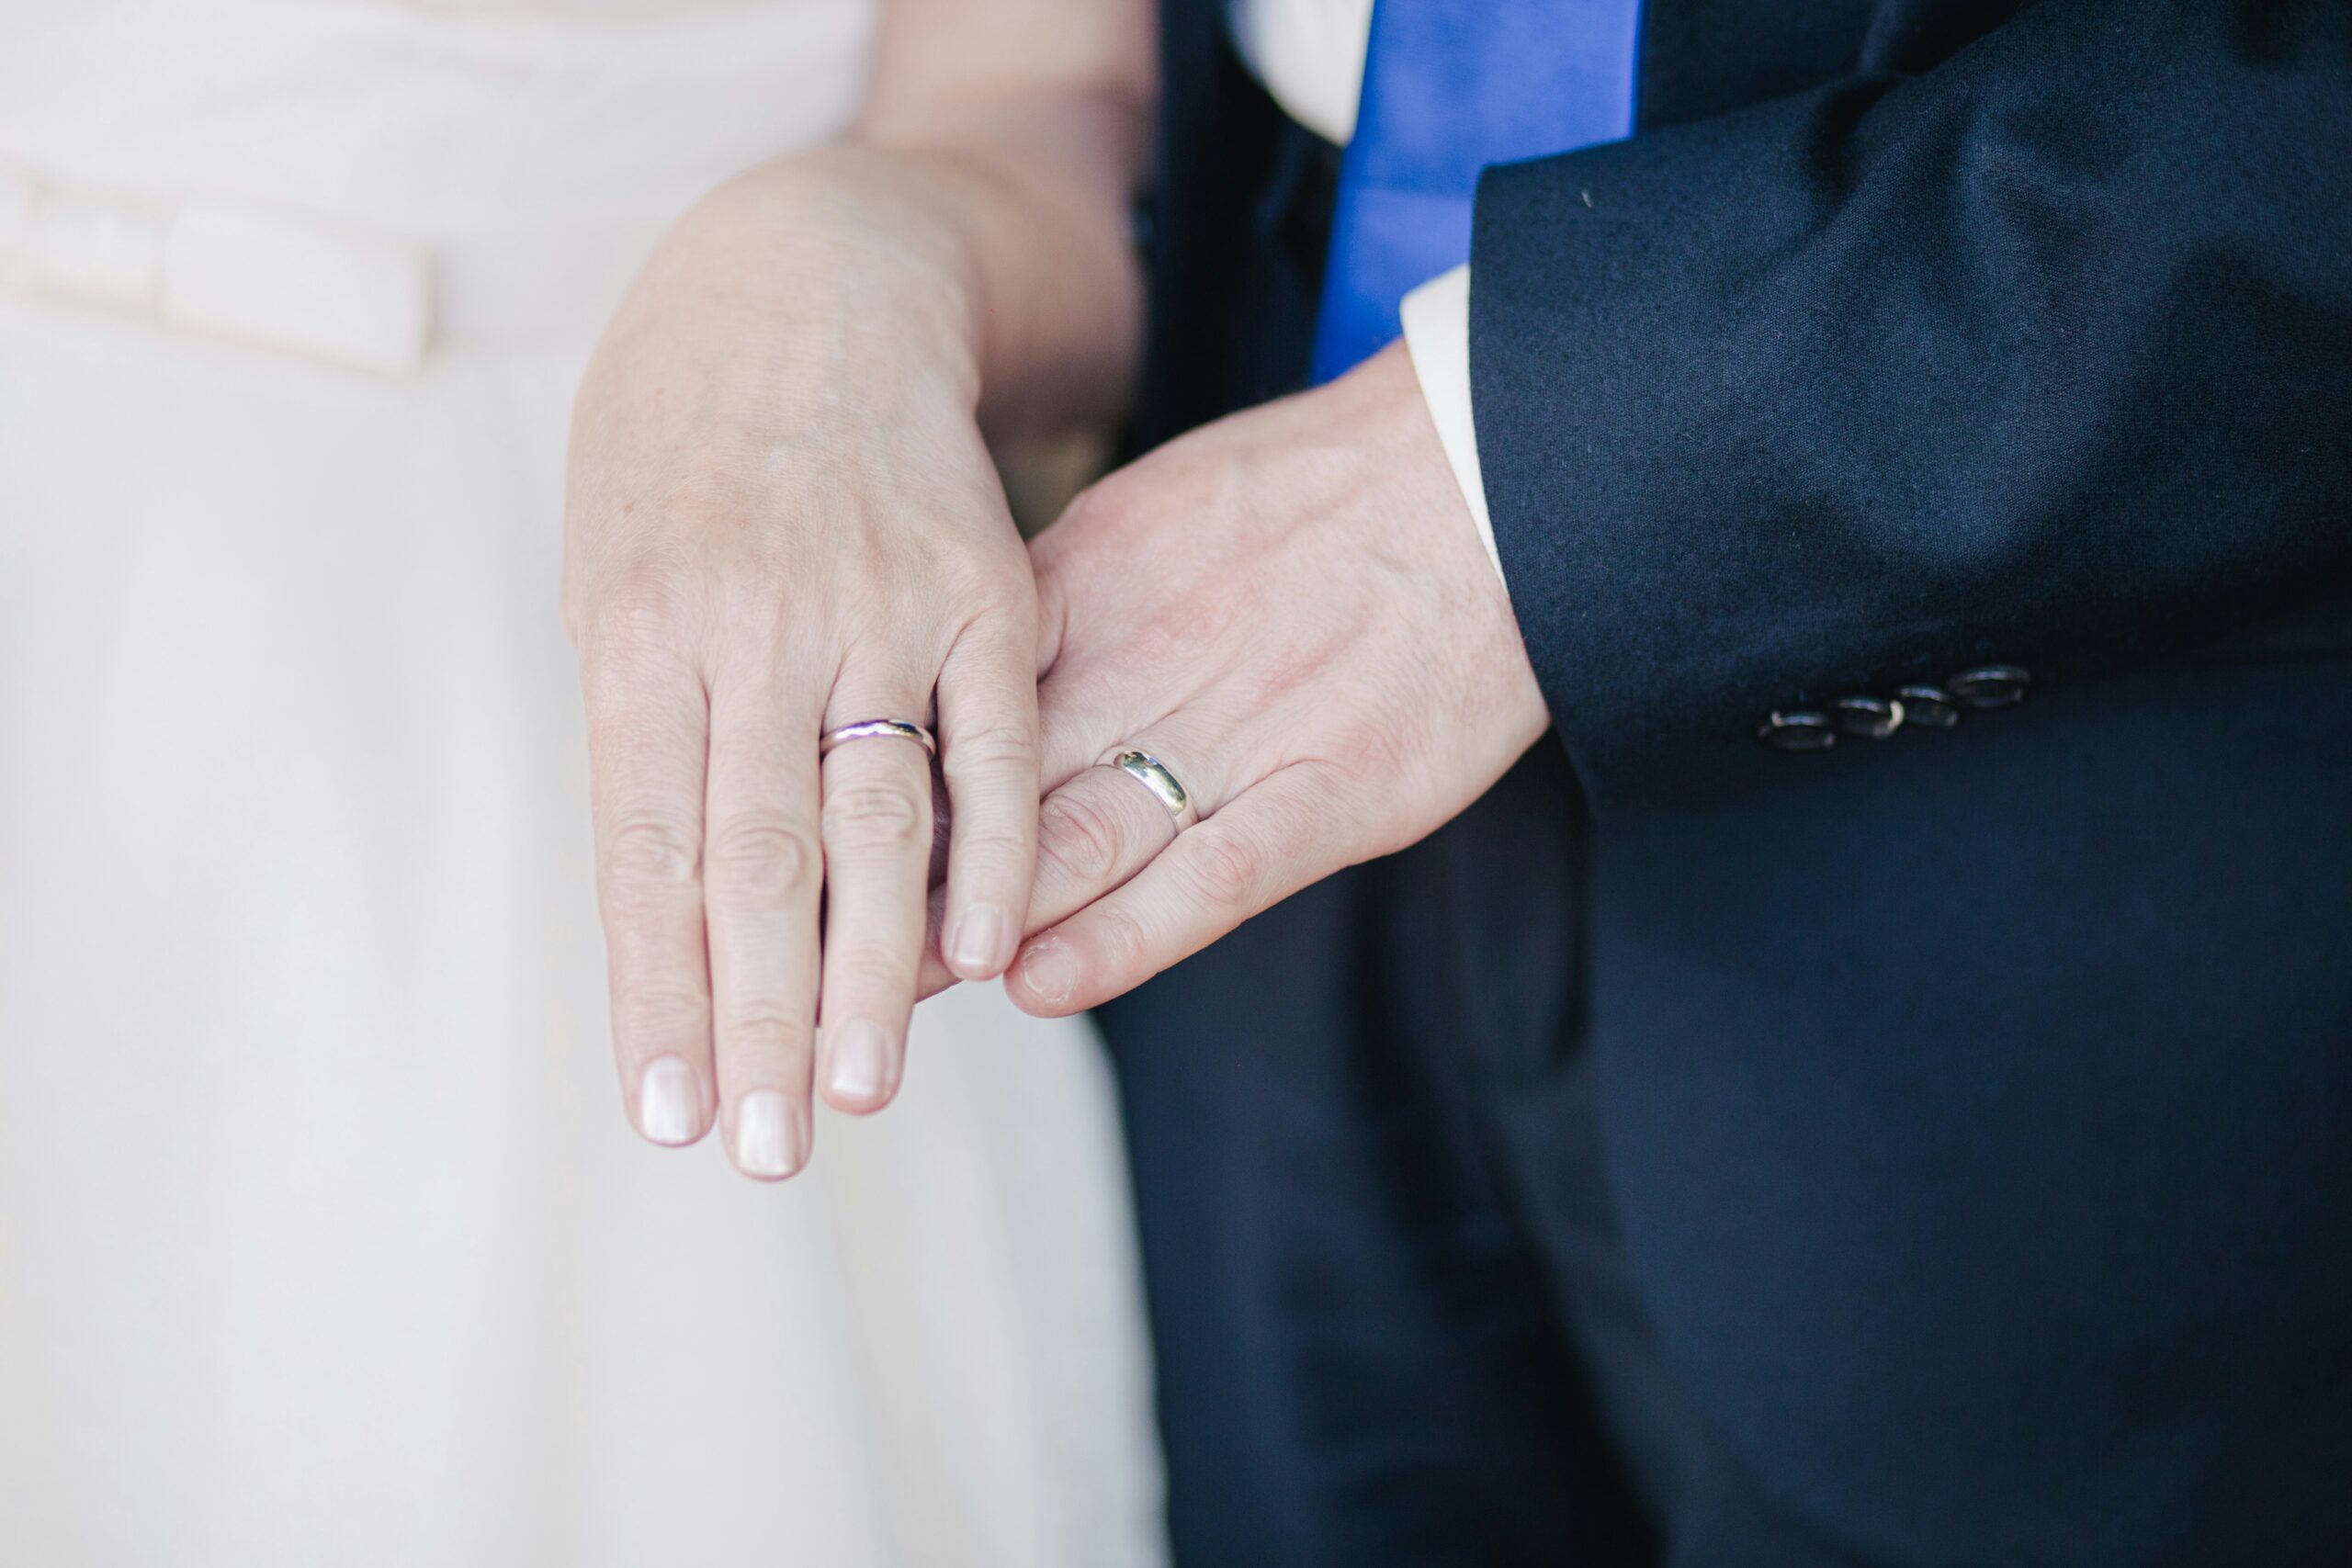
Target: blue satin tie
1450, 86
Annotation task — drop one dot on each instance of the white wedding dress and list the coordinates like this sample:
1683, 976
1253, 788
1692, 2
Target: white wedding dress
323, 1240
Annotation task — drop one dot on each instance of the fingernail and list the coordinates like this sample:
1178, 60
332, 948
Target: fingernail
669, 1101
978, 936
854, 1068
767, 1135
1050, 971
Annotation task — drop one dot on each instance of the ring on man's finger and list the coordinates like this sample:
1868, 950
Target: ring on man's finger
877, 729
1153, 774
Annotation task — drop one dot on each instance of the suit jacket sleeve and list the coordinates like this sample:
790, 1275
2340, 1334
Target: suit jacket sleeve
2041, 354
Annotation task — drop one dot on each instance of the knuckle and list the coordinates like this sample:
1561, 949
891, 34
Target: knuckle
660, 1013
1127, 944
989, 851
983, 571
990, 750
1293, 664
651, 850
877, 817
645, 604
710, 494
1368, 751
761, 855
1182, 624
1097, 505
1078, 837
1118, 498
860, 976
1226, 866
762, 1025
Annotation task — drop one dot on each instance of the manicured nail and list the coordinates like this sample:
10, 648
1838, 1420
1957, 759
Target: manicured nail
767, 1135
669, 1101
978, 936
854, 1066
1050, 971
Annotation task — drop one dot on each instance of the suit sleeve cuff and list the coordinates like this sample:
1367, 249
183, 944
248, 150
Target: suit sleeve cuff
1437, 337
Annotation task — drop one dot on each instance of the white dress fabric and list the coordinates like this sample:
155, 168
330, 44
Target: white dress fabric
323, 1240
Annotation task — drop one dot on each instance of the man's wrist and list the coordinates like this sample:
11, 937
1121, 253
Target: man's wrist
1437, 336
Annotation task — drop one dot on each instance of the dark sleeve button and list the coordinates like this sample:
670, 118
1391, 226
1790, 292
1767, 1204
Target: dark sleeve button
1928, 707
1874, 718
1805, 730
1989, 686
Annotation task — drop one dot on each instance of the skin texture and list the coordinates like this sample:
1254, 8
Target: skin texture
1292, 611
782, 517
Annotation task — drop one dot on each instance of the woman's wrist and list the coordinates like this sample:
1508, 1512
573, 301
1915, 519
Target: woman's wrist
1019, 282
1048, 237
843, 253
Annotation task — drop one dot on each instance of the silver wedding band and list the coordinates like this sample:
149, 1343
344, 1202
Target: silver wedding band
870, 728
1152, 773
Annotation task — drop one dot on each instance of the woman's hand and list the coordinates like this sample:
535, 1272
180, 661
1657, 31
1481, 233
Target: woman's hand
782, 518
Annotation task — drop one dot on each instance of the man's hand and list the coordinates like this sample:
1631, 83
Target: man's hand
1292, 610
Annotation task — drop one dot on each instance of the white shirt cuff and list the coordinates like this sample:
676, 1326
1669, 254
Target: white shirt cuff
1437, 337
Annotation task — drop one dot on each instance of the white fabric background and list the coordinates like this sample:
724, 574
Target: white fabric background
322, 1238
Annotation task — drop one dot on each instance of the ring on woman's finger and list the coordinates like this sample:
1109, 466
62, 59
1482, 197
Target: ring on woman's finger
1153, 774
873, 728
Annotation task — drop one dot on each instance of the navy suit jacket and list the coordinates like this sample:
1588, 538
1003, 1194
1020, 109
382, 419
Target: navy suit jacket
1976, 1102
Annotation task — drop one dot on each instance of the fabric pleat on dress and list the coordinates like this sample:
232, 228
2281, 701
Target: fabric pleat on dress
323, 1238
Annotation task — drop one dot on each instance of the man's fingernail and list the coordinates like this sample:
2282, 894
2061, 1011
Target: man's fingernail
854, 1066
669, 1101
1050, 971
978, 936
767, 1135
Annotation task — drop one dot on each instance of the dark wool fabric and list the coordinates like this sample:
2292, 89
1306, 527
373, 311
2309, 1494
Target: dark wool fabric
1928, 1152
2033, 345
